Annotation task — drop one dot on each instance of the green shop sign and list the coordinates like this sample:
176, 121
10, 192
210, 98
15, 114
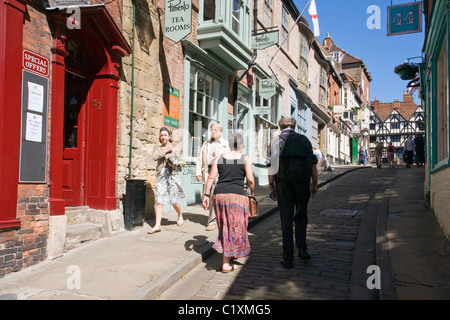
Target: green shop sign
178, 19
264, 40
404, 18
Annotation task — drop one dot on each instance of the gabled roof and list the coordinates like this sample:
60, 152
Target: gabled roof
405, 108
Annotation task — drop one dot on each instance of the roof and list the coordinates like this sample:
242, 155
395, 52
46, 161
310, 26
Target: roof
406, 109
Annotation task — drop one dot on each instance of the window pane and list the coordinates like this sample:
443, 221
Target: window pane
209, 10
236, 16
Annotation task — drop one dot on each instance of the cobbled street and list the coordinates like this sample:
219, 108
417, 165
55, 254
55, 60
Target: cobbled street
341, 241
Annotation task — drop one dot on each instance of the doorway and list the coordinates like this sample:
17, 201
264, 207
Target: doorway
74, 133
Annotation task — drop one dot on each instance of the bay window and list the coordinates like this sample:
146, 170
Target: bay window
204, 94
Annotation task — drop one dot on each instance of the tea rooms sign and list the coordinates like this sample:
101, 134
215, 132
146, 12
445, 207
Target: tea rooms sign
178, 19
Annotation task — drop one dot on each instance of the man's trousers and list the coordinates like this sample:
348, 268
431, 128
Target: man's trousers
293, 198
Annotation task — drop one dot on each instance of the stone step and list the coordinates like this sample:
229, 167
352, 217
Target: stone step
76, 234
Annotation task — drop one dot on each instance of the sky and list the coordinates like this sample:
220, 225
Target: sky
346, 22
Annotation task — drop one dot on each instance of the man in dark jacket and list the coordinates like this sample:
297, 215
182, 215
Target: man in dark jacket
292, 191
420, 149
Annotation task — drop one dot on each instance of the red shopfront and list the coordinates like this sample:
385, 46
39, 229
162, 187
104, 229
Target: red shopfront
83, 103
85, 83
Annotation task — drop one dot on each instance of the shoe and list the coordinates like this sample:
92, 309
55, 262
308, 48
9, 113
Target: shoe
180, 223
287, 263
152, 231
211, 227
303, 254
233, 268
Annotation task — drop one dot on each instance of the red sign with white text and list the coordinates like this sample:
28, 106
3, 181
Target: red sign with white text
36, 63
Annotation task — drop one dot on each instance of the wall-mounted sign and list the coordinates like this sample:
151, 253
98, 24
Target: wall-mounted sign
172, 106
178, 19
36, 63
264, 40
267, 88
261, 110
404, 18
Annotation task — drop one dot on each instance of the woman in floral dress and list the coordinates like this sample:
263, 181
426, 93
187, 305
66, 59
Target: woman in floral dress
230, 202
168, 187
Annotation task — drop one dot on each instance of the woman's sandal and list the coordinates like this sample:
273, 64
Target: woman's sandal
152, 231
233, 268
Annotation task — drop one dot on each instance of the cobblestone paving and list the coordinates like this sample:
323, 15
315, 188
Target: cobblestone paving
331, 243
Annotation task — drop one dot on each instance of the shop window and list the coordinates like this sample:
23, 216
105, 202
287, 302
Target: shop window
203, 108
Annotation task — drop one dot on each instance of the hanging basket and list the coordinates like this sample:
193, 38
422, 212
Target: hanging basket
407, 71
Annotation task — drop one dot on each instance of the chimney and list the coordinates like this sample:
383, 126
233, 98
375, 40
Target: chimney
327, 41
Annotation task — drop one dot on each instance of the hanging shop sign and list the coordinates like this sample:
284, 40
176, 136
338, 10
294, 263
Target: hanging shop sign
267, 88
172, 106
178, 19
404, 18
265, 40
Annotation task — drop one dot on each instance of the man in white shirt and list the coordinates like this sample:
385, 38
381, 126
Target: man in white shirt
409, 148
211, 149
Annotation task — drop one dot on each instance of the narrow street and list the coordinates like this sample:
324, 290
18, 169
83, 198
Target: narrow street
341, 241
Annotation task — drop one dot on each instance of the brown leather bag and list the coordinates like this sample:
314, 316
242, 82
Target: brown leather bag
253, 207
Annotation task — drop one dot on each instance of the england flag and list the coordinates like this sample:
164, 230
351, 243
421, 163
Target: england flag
313, 14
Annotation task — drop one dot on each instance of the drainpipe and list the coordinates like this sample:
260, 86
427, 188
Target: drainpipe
132, 90
251, 63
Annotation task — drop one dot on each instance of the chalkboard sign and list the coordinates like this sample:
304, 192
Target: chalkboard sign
33, 143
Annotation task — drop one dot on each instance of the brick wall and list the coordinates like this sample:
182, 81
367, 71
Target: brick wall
25, 246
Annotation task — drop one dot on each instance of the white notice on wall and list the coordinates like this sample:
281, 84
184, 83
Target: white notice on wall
34, 127
35, 97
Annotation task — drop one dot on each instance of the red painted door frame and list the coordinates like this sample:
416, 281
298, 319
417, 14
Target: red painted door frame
104, 53
11, 52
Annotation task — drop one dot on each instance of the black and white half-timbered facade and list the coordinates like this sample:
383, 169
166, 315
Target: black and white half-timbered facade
394, 122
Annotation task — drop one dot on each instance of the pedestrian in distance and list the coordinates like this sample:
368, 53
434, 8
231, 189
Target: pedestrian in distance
361, 156
211, 149
322, 162
420, 149
409, 148
230, 201
365, 155
168, 187
379, 153
390, 151
292, 182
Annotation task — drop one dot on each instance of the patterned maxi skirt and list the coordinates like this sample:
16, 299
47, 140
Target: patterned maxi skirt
168, 188
232, 212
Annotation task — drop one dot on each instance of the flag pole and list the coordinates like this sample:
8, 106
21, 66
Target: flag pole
284, 40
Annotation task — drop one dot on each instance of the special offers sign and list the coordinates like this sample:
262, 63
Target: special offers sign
178, 19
